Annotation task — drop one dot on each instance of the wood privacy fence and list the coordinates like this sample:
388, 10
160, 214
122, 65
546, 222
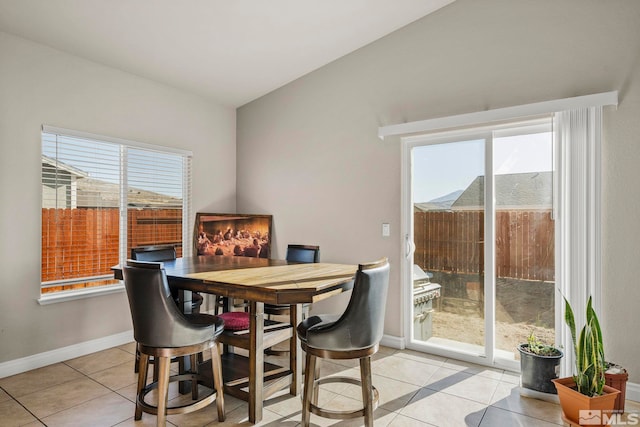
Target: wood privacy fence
453, 242
78, 243
84, 242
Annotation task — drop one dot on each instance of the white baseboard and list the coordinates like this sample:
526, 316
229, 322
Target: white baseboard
35, 361
633, 392
393, 342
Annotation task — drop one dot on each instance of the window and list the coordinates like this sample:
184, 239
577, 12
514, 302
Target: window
102, 196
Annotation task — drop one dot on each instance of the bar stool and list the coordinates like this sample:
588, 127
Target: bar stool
295, 253
161, 331
355, 334
164, 253
160, 253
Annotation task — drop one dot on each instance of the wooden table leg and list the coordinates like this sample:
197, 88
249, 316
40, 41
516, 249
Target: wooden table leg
295, 350
256, 361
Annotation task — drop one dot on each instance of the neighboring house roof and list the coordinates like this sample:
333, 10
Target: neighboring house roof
532, 190
428, 207
442, 203
61, 166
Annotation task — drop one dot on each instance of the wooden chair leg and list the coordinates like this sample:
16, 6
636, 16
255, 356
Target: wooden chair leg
143, 368
308, 392
367, 390
163, 389
218, 383
154, 361
194, 370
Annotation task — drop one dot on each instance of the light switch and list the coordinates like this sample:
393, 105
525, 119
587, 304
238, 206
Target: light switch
386, 230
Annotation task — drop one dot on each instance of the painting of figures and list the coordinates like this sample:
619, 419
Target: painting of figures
232, 235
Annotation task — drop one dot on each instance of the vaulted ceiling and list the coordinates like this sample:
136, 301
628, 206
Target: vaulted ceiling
232, 51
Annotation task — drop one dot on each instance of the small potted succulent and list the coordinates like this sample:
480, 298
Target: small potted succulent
539, 364
585, 392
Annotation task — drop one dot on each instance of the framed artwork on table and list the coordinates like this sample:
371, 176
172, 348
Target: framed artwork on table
232, 235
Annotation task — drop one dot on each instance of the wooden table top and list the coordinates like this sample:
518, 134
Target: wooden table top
258, 279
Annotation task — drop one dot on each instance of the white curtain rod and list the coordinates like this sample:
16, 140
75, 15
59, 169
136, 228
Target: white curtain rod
544, 107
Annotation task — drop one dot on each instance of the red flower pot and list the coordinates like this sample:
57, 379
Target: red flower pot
619, 382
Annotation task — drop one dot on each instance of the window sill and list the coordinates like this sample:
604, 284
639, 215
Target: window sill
63, 296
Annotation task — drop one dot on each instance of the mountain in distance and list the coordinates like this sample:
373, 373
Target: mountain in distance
442, 203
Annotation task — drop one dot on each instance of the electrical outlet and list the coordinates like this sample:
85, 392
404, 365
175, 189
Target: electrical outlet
386, 229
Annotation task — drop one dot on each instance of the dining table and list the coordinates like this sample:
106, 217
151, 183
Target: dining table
258, 281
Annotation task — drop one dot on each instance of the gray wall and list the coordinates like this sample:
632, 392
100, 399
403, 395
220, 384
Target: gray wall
308, 152
39, 85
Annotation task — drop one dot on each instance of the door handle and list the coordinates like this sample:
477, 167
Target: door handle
409, 246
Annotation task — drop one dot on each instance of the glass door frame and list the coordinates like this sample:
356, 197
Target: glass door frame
491, 356
408, 143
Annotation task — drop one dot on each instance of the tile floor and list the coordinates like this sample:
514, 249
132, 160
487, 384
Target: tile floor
415, 390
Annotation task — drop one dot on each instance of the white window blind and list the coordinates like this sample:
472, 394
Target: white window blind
102, 196
578, 240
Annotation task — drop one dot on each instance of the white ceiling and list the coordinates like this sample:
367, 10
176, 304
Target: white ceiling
232, 51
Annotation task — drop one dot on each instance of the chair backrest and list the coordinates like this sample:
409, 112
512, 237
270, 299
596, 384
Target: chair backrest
157, 321
153, 253
303, 253
362, 323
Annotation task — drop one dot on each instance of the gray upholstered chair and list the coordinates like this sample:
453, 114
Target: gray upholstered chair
162, 331
164, 253
303, 253
355, 334
154, 253
157, 254
295, 253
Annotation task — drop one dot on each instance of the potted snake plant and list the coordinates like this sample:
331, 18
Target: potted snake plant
584, 395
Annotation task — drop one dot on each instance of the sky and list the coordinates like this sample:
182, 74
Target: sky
444, 168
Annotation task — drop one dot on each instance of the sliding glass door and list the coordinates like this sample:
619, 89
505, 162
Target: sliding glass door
481, 238
448, 219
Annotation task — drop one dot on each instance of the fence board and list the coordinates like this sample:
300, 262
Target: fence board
454, 242
78, 243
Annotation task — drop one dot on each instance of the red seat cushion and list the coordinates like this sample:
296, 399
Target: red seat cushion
235, 320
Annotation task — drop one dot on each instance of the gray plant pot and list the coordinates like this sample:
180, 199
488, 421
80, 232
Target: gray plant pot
538, 371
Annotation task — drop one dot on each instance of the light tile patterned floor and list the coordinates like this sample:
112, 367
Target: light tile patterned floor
416, 389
